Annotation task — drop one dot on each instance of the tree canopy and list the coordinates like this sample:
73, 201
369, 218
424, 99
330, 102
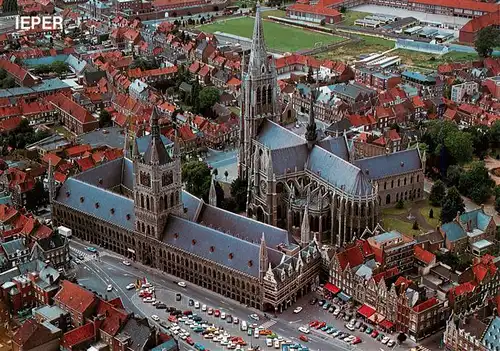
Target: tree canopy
208, 97
197, 177
239, 193
476, 183
104, 118
438, 192
452, 204
487, 39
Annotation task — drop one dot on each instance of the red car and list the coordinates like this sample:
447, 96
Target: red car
216, 313
356, 341
190, 341
313, 324
172, 319
374, 334
320, 325
303, 338
187, 312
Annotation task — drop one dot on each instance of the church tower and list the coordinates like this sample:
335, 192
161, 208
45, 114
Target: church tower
259, 95
157, 187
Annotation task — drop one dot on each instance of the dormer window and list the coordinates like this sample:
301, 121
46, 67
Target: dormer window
112, 211
250, 263
82, 199
176, 235
97, 205
212, 248
231, 256
67, 193
128, 217
193, 242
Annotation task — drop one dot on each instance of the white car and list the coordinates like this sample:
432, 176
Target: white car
155, 318
269, 342
254, 317
385, 340
109, 288
130, 286
148, 299
223, 315
297, 310
126, 263
304, 330
204, 308
350, 327
391, 343
182, 284
196, 305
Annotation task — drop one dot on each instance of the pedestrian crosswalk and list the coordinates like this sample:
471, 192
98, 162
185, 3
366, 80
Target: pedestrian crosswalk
268, 324
83, 256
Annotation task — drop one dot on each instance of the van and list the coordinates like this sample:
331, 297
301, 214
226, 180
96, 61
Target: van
244, 325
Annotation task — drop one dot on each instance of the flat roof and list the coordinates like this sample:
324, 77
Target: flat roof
482, 244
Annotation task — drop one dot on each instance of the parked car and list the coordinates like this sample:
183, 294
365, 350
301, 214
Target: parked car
109, 288
196, 305
210, 311
331, 309
357, 340
358, 324
126, 263
91, 249
304, 338
178, 297
314, 301
182, 284
385, 339
161, 306
297, 310
254, 317
374, 334
130, 286
304, 330
322, 302
391, 343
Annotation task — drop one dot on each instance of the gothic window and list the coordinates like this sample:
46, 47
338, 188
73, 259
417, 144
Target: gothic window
145, 179
269, 95
167, 178
259, 98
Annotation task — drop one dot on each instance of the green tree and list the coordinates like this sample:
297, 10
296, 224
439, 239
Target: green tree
197, 177
36, 197
310, 77
431, 213
400, 204
438, 192
487, 39
59, 67
496, 191
476, 183
239, 193
453, 175
208, 97
104, 118
452, 204
459, 145
415, 225
9, 6
215, 172
481, 137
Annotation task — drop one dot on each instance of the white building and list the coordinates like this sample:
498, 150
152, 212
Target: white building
458, 91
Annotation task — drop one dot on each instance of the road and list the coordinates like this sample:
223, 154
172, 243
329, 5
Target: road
95, 273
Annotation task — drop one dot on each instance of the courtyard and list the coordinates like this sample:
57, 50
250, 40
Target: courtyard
402, 219
278, 36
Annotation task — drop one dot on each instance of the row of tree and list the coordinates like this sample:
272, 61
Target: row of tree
6, 81
23, 135
58, 67
449, 200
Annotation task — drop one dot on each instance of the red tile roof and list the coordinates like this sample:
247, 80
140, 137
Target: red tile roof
426, 305
417, 102
234, 81
13, 69
79, 335
31, 335
10, 124
18, 178
352, 256
358, 121
85, 163
52, 158
424, 255
74, 297
464, 288
114, 317
7, 213
316, 10
460, 4
77, 150
72, 108
60, 177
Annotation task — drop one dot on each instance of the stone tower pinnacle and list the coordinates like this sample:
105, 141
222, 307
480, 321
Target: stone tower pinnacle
156, 153
212, 195
258, 53
263, 256
311, 132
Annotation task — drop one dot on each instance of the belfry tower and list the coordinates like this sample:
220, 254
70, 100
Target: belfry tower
259, 95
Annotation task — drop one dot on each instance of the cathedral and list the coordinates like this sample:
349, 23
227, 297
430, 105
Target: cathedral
311, 186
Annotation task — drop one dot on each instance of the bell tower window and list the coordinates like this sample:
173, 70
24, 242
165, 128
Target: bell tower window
145, 179
167, 178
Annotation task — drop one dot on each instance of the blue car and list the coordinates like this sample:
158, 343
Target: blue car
91, 249
199, 347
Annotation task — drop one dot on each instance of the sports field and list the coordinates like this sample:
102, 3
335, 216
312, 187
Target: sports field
278, 36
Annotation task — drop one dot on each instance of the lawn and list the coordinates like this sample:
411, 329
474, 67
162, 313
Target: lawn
424, 211
278, 36
430, 61
350, 17
275, 13
393, 211
351, 52
399, 225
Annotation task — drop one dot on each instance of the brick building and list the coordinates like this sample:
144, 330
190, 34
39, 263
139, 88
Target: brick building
72, 115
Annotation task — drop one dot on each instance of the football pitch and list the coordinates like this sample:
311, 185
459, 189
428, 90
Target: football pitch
278, 36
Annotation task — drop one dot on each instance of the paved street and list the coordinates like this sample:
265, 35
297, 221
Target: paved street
226, 160
96, 273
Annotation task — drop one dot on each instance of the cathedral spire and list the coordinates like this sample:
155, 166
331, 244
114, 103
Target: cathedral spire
311, 132
135, 149
212, 195
263, 256
126, 144
258, 54
305, 229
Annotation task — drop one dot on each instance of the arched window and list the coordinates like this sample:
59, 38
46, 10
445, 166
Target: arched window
385, 185
388, 199
270, 95
259, 98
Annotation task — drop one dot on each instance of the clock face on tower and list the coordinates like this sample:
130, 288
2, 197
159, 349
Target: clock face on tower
263, 187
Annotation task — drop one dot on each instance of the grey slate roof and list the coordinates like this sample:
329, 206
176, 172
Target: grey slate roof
338, 172
353, 91
180, 233
391, 164
336, 146
139, 330
286, 159
11, 247
112, 137
143, 142
242, 227
339, 126
156, 149
453, 231
274, 136
93, 77
191, 203
74, 190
